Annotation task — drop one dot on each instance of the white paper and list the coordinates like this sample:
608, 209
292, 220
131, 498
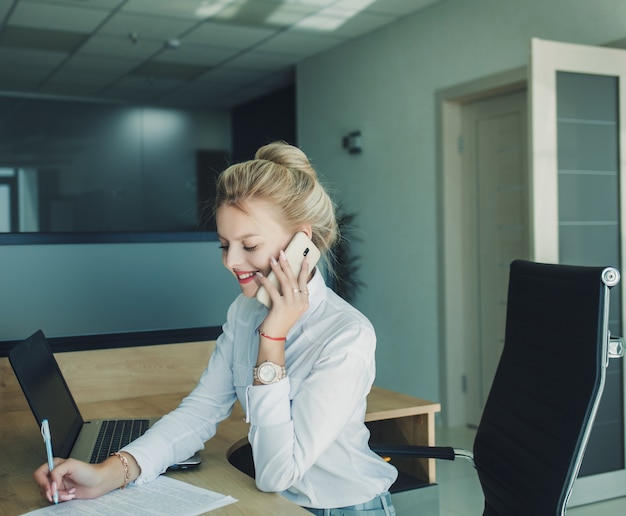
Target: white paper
163, 496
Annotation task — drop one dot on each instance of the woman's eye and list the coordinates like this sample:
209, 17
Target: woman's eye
224, 247
249, 249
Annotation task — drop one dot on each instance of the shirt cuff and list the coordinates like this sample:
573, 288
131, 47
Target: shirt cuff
269, 404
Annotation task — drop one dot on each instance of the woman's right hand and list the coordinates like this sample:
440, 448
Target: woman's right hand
77, 479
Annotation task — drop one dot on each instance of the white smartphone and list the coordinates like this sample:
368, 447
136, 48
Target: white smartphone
300, 247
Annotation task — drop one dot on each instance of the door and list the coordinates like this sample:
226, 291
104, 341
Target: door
8, 201
495, 204
577, 110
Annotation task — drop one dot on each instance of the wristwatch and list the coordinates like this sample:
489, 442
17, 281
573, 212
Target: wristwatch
269, 372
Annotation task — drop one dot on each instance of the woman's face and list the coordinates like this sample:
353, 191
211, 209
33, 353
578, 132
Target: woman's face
249, 239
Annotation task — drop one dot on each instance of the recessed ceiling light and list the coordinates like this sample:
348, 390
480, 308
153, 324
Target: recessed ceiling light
209, 8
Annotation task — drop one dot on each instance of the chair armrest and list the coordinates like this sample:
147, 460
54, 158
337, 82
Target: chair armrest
423, 452
616, 346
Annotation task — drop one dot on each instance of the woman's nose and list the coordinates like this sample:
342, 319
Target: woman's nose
232, 258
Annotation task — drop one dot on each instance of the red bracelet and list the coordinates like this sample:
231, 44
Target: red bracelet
277, 339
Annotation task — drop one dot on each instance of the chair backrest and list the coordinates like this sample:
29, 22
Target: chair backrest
540, 409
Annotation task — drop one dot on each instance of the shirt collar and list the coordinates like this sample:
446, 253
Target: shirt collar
317, 294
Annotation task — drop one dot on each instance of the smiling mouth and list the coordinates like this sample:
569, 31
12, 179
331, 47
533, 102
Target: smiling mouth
245, 277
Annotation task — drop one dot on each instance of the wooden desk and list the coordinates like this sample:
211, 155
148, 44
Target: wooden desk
392, 417
21, 449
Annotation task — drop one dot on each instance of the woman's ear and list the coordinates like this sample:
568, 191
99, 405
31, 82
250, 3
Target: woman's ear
306, 228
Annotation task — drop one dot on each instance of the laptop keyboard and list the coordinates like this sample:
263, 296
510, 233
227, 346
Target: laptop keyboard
115, 434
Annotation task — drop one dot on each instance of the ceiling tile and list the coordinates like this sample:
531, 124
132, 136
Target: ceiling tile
27, 58
102, 4
97, 81
74, 88
185, 9
226, 35
41, 39
227, 76
28, 77
180, 71
115, 46
152, 85
196, 54
299, 43
262, 61
264, 13
146, 26
56, 17
89, 64
362, 23
4, 10
399, 7
191, 90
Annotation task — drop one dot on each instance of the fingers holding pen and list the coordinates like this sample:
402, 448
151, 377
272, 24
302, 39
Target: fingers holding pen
47, 485
64, 496
70, 478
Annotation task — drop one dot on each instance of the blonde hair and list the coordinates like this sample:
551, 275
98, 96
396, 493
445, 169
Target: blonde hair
282, 174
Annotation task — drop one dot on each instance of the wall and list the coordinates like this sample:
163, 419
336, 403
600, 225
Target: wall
74, 289
266, 119
385, 85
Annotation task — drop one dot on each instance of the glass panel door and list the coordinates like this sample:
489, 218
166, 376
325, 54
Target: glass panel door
576, 157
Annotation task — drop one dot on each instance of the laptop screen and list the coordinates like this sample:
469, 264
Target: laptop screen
46, 391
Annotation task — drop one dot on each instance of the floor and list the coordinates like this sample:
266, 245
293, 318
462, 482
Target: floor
459, 489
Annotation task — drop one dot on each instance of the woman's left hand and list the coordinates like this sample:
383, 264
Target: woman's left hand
289, 306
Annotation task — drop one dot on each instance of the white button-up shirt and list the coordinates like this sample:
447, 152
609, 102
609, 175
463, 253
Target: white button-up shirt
307, 431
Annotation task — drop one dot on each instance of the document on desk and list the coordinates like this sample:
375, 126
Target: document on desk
163, 496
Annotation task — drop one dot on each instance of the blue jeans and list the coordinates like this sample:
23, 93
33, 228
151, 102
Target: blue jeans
379, 506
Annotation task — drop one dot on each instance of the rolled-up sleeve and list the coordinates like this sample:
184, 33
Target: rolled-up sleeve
269, 405
289, 436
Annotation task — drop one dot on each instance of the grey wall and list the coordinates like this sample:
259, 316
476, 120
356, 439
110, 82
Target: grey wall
385, 85
106, 288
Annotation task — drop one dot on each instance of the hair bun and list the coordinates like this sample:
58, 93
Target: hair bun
282, 175
286, 155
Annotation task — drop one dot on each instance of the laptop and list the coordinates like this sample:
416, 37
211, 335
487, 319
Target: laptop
49, 398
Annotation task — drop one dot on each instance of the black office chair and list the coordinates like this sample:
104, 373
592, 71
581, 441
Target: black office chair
539, 413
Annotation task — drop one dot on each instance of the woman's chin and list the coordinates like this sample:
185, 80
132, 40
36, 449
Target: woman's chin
249, 290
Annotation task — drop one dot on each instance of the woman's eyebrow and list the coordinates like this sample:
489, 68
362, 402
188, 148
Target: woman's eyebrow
242, 237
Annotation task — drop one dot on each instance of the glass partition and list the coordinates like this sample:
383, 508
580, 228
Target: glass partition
95, 167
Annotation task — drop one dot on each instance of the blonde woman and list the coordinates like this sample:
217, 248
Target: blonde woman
307, 430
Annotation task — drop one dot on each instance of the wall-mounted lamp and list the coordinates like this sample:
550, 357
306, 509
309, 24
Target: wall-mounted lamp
353, 143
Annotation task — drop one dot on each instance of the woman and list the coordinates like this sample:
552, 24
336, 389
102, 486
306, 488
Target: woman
307, 430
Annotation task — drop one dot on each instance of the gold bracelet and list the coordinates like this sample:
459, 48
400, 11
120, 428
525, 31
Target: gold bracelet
126, 468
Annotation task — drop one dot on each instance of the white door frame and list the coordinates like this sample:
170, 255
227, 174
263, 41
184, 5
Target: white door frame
451, 324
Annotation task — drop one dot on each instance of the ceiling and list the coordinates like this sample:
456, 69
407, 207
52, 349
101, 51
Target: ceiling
183, 54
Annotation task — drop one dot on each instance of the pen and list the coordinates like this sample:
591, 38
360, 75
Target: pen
45, 432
